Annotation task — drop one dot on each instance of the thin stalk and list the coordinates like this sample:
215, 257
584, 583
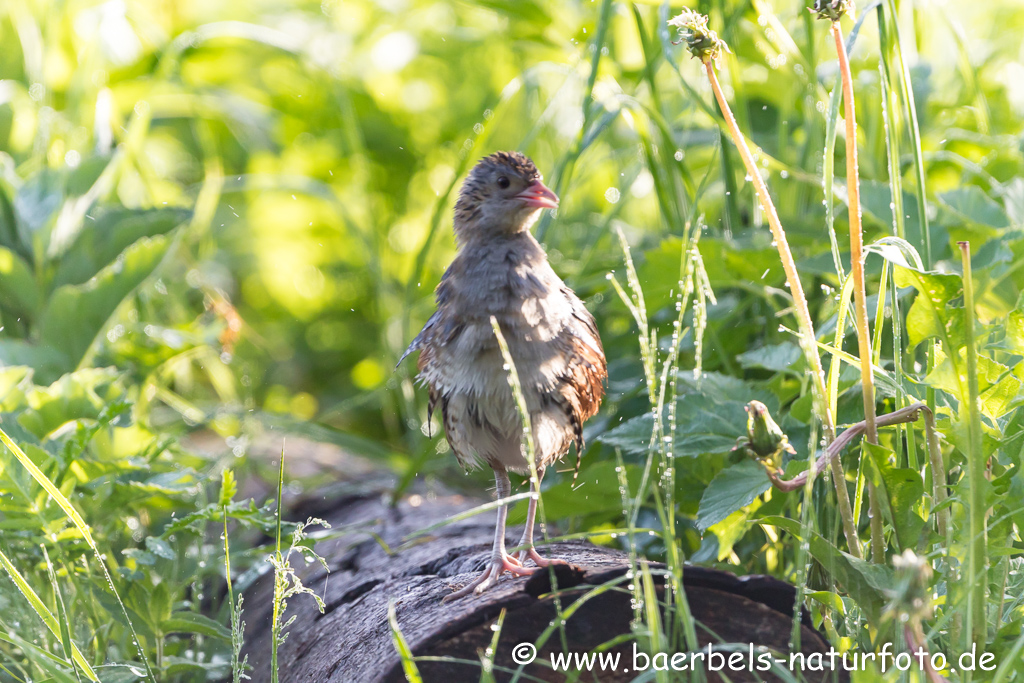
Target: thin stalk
275, 634
807, 337
857, 271
938, 472
834, 449
977, 510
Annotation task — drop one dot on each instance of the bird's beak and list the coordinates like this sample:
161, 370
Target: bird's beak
538, 195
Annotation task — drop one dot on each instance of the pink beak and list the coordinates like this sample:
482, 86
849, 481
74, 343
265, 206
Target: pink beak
538, 195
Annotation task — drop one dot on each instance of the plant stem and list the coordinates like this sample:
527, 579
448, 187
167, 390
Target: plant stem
275, 630
976, 468
832, 452
807, 338
857, 271
938, 473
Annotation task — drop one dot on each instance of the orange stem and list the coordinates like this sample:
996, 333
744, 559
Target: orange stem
803, 314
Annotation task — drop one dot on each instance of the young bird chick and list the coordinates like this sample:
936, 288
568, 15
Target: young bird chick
500, 270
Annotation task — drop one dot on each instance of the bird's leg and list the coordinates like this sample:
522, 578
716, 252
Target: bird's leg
501, 561
528, 551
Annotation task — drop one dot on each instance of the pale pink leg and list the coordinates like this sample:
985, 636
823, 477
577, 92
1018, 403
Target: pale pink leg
501, 561
529, 552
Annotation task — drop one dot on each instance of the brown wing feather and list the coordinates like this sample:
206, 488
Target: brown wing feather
582, 385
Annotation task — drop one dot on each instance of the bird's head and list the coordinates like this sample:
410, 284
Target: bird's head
503, 195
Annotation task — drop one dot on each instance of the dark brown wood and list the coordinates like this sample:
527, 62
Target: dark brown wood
352, 641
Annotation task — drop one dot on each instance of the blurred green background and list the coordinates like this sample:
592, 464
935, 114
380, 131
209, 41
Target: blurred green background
328, 138
244, 208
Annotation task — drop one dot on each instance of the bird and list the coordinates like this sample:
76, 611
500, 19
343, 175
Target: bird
501, 271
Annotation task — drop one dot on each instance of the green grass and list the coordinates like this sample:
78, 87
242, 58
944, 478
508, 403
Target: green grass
226, 218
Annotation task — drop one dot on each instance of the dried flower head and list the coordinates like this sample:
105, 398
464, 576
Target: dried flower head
833, 10
702, 42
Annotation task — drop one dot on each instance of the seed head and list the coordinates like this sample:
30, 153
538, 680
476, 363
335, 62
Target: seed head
765, 439
702, 42
832, 10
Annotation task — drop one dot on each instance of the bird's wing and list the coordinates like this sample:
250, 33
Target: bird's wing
583, 380
422, 339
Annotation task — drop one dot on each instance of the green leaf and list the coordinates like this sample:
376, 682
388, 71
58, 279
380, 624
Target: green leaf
930, 317
160, 548
971, 204
18, 288
864, 581
158, 605
108, 233
901, 494
17, 352
74, 396
775, 357
193, 622
732, 489
76, 314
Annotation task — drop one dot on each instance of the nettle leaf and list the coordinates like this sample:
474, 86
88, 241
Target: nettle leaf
76, 314
732, 489
710, 417
930, 316
596, 491
775, 357
971, 204
632, 436
902, 493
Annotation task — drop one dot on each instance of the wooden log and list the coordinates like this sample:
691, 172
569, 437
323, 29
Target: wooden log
352, 641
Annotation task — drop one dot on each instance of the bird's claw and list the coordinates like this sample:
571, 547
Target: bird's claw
541, 562
490, 576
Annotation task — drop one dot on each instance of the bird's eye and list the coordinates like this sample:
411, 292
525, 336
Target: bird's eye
503, 182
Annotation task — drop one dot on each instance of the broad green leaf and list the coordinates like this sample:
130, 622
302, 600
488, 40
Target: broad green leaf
77, 395
18, 289
108, 233
36, 205
864, 581
732, 489
17, 352
930, 316
76, 314
901, 494
971, 204
776, 357
596, 490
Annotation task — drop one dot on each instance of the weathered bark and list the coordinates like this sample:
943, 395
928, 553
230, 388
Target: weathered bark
352, 641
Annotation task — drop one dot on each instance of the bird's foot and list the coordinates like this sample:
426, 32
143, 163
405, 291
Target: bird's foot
532, 554
490, 576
